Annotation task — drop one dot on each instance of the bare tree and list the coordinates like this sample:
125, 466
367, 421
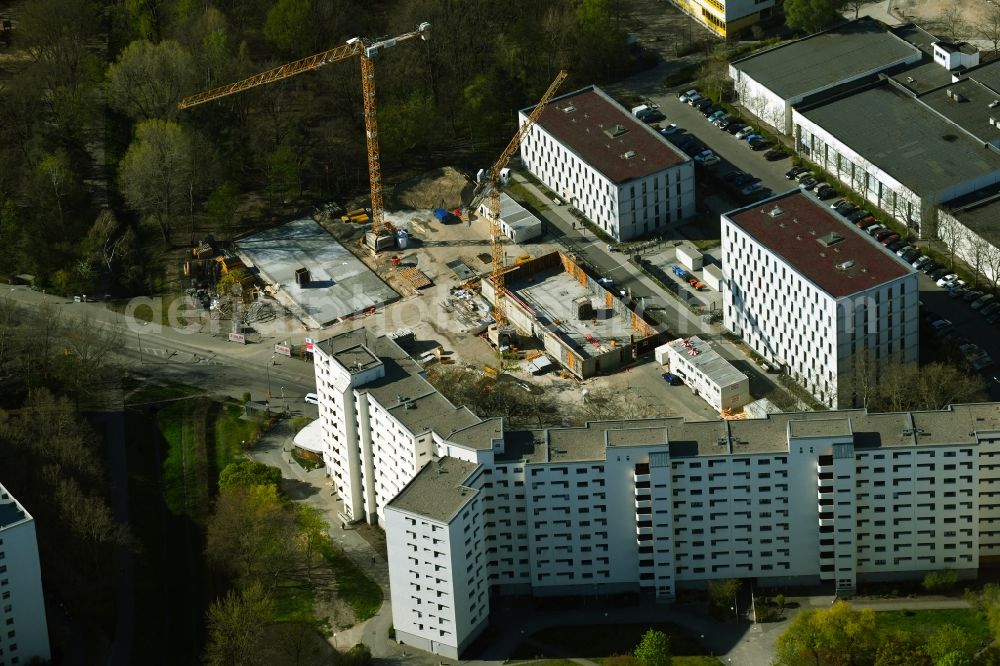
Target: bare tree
856, 5
951, 22
976, 248
991, 265
950, 233
989, 27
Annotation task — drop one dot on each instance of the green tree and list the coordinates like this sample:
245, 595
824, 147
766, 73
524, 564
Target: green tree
654, 649
359, 655
312, 533
812, 15
601, 44
222, 205
285, 173
156, 173
835, 635
245, 473
722, 593
287, 22
950, 642
147, 80
901, 649
236, 627
940, 582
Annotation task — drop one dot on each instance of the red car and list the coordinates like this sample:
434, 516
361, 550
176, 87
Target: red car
890, 239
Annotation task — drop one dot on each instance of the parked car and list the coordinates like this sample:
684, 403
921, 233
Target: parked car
919, 261
983, 301
940, 324
856, 215
760, 144
775, 154
896, 245
753, 137
792, 173
724, 125
839, 203
685, 96
672, 379
751, 189
990, 308
910, 255
669, 129
937, 274
881, 233
903, 250
955, 292
737, 127
993, 318
945, 279
710, 110
738, 178
715, 115
802, 175
694, 99
873, 229
311, 398
724, 118
747, 131
930, 267
890, 239
702, 103
824, 191
972, 295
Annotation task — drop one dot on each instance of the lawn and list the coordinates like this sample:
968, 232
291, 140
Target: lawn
922, 622
596, 642
353, 585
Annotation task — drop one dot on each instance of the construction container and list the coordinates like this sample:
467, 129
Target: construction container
382, 242
584, 308
302, 277
712, 276
690, 257
402, 239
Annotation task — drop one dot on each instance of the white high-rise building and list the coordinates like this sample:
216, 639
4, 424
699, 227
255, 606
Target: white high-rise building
816, 296
618, 171
24, 633
472, 509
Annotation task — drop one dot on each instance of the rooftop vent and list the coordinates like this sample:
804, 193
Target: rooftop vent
910, 79
994, 104
616, 131
830, 239
628, 154
845, 265
569, 108
775, 212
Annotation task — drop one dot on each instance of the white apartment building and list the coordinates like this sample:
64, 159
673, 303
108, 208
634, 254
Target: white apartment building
472, 509
816, 296
619, 172
24, 633
706, 373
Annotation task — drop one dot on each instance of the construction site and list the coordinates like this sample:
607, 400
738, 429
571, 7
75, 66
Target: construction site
587, 328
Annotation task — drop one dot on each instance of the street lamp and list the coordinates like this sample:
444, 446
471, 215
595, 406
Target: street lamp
268, 369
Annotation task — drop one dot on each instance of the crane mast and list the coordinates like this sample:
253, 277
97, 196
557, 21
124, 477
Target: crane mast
490, 189
367, 50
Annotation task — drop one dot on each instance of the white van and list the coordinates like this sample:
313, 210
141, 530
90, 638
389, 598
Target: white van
312, 398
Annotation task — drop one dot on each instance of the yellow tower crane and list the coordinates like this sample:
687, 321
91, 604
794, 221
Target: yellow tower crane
490, 188
368, 50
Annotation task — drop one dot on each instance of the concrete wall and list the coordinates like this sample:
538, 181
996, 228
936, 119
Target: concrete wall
21, 589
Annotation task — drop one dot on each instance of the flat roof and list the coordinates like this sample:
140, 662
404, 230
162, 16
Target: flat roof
438, 491
515, 215
606, 136
972, 113
826, 58
825, 249
721, 372
905, 138
341, 284
11, 511
979, 211
987, 74
551, 294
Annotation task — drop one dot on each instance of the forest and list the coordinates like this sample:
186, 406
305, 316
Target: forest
103, 175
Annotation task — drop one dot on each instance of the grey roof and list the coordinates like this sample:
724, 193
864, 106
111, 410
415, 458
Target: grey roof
11, 511
477, 436
515, 215
827, 58
979, 211
402, 384
720, 371
907, 140
831, 427
438, 491
973, 113
987, 74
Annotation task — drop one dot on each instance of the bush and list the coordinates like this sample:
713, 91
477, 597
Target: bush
940, 582
359, 655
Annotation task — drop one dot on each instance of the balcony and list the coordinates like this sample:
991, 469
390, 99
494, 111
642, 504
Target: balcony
826, 522
826, 555
641, 478
644, 530
824, 490
641, 539
643, 504
646, 564
642, 492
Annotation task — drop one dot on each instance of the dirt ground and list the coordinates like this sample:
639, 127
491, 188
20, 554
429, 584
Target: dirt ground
446, 187
929, 14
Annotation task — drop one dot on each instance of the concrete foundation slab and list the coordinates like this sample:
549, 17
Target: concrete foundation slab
340, 284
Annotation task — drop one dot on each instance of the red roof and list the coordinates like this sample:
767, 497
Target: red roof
798, 228
591, 124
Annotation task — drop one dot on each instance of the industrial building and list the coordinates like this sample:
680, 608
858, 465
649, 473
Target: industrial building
706, 373
581, 323
472, 509
727, 18
313, 275
623, 175
815, 296
25, 634
934, 139
516, 223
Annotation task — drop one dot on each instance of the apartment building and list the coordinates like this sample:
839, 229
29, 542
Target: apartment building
727, 18
657, 505
472, 509
619, 172
815, 296
24, 633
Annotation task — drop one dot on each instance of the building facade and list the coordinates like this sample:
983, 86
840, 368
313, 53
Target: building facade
727, 18
619, 172
815, 296
24, 633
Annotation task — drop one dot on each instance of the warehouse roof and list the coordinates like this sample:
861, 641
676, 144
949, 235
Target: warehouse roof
835, 256
906, 139
979, 211
827, 58
606, 136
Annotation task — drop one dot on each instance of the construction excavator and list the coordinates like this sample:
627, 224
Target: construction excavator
489, 189
382, 234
